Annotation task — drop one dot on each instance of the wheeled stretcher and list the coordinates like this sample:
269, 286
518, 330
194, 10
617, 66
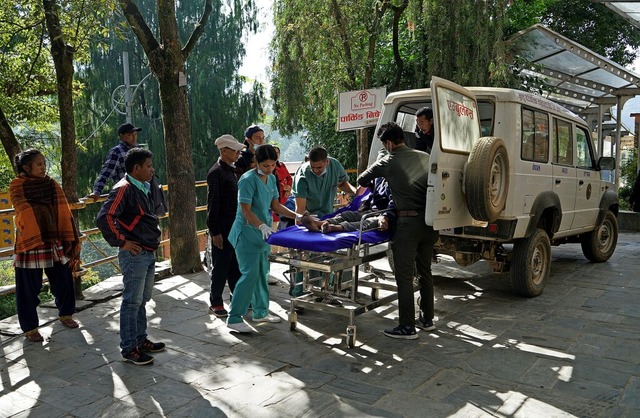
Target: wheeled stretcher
329, 269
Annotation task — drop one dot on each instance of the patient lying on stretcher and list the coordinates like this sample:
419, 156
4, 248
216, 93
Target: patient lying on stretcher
347, 221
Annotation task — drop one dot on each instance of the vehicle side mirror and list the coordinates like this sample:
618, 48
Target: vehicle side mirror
606, 163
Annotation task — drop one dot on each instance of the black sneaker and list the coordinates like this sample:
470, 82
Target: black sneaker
150, 347
406, 332
137, 358
218, 311
425, 324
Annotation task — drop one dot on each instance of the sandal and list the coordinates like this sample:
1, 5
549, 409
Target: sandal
34, 336
69, 322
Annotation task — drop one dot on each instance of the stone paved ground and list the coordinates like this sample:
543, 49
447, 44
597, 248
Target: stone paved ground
573, 351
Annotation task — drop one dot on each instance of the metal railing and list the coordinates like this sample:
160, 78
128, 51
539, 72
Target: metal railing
7, 253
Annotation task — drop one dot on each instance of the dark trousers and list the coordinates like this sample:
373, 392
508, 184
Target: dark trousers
412, 245
225, 270
29, 285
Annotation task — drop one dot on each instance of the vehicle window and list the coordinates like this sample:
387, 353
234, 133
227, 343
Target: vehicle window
584, 152
486, 111
535, 136
459, 120
406, 118
562, 143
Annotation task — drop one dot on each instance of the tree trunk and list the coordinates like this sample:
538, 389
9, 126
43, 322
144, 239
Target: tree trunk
62, 56
8, 138
185, 254
362, 141
167, 60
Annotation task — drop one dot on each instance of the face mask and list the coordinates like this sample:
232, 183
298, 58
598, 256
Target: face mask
323, 172
262, 173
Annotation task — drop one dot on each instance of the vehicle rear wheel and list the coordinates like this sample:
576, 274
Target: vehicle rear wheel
598, 245
531, 264
486, 179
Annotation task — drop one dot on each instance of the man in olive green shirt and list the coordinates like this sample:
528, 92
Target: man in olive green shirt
406, 170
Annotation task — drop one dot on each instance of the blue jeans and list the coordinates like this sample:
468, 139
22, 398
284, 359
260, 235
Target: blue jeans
138, 273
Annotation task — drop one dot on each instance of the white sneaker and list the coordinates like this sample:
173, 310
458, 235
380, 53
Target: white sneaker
269, 318
241, 327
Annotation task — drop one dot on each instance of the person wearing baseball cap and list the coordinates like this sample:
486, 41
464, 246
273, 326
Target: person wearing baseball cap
254, 135
253, 138
228, 141
222, 204
113, 167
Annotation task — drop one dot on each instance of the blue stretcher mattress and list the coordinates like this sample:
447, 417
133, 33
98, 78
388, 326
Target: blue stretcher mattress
298, 237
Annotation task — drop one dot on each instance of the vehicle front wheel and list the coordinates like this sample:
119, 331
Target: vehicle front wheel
598, 245
531, 264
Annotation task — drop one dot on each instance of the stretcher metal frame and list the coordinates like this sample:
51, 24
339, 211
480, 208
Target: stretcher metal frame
337, 288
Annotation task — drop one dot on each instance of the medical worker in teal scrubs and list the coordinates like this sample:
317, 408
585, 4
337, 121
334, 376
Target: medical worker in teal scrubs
257, 197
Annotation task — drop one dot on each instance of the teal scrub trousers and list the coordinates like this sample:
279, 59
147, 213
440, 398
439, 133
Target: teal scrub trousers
252, 287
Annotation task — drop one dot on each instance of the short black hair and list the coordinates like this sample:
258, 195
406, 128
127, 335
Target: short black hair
136, 156
426, 112
266, 152
318, 154
24, 158
391, 131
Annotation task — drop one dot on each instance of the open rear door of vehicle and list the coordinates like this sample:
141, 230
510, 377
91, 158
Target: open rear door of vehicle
457, 128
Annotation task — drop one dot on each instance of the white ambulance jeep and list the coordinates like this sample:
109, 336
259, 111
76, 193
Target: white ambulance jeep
511, 174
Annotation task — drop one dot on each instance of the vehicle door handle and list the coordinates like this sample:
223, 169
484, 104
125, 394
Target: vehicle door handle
581, 182
558, 181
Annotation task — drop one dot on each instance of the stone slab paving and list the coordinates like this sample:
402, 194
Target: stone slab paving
571, 352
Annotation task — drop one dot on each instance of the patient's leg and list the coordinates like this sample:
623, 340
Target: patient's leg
345, 221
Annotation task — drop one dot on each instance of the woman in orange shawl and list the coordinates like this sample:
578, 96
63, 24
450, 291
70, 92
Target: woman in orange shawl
46, 239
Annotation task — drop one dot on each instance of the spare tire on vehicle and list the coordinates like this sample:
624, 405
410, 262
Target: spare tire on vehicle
486, 179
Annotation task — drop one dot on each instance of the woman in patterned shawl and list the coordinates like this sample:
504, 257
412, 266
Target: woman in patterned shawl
46, 239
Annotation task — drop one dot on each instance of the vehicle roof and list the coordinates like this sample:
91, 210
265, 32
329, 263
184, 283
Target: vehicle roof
495, 93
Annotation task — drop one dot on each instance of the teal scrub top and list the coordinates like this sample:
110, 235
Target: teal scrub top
320, 191
251, 190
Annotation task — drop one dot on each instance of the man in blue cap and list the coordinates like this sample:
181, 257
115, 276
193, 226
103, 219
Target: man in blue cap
113, 167
253, 138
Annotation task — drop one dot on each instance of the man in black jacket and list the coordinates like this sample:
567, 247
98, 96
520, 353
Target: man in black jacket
424, 129
128, 221
222, 204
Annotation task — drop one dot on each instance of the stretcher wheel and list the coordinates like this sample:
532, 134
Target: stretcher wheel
351, 336
375, 294
293, 321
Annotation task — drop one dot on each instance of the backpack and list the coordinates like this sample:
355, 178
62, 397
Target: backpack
157, 197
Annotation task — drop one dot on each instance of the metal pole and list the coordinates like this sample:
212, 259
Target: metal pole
127, 86
618, 155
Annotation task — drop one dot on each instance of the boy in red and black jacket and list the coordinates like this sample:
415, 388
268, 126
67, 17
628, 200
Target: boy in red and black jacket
128, 221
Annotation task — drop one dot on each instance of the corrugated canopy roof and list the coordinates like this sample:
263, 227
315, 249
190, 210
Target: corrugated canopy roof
630, 10
582, 79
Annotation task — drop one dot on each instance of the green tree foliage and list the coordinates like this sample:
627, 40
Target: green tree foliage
322, 48
27, 84
318, 52
220, 101
167, 56
628, 174
40, 42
